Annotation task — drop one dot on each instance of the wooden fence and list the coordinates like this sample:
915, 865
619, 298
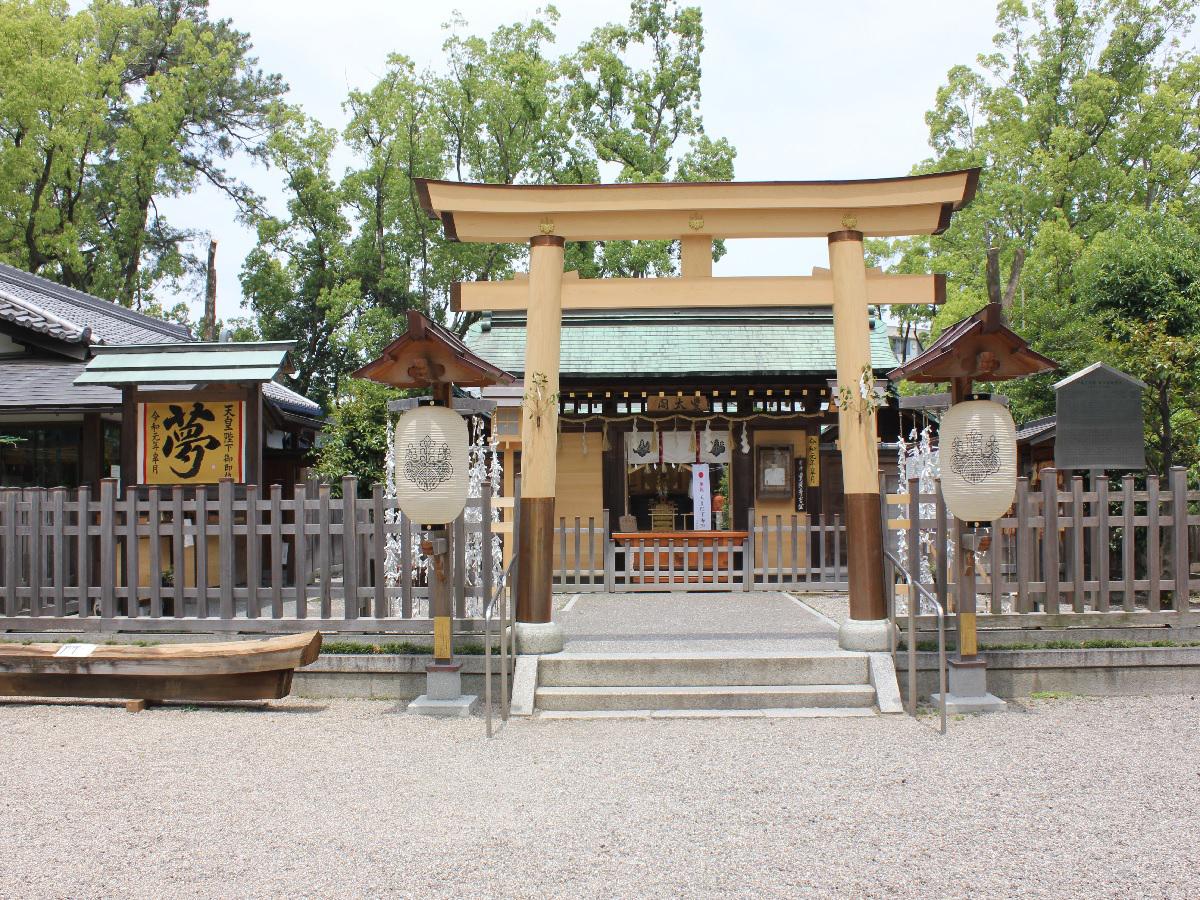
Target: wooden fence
188, 560
1107, 554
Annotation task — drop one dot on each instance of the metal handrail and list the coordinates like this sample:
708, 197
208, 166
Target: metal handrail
507, 617
911, 638
497, 601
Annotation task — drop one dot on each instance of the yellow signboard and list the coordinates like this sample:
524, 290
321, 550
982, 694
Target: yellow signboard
814, 460
191, 441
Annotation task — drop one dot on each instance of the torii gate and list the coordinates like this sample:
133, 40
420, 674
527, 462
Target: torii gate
696, 214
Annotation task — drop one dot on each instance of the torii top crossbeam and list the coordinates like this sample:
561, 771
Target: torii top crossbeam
882, 207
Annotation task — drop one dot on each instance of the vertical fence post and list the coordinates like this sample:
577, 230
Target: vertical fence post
941, 535
748, 554
1050, 539
58, 511
225, 546
1078, 541
253, 552
108, 547
325, 550
1153, 542
379, 551
1128, 560
154, 545
1100, 561
1179, 515
486, 564
610, 553
276, 551
10, 552
1024, 547
132, 575
200, 544
300, 548
35, 551
459, 548
83, 551
350, 554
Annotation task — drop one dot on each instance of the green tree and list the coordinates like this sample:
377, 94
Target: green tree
103, 114
1084, 111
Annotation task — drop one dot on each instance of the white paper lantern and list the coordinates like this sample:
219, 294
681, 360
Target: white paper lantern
978, 455
432, 470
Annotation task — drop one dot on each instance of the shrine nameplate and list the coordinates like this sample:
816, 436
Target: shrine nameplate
191, 441
1099, 421
685, 403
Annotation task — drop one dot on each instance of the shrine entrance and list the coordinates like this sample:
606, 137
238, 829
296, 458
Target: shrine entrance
845, 213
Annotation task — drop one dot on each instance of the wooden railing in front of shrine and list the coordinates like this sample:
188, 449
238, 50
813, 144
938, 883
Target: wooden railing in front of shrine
229, 560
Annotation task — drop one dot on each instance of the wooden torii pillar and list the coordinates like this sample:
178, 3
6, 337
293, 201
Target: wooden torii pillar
843, 212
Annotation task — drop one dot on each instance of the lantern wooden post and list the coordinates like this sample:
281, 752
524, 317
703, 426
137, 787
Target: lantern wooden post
868, 628
964, 562
536, 633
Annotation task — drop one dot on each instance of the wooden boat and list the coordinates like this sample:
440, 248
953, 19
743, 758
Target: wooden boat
229, 670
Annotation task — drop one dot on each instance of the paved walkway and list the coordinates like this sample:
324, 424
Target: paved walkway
734, 622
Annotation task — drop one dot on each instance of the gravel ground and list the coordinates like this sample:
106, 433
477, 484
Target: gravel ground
1063, 798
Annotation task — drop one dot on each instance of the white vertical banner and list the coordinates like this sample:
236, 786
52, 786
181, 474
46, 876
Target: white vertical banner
701, 498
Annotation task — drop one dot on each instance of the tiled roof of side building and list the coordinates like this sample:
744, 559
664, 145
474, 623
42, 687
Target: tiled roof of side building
680, 342
110, 322
24, 314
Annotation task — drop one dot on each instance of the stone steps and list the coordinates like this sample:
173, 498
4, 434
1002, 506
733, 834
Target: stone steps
745, 696
696, 683
666, 670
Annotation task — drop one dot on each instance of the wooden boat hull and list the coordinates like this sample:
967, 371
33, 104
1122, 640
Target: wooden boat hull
230, 670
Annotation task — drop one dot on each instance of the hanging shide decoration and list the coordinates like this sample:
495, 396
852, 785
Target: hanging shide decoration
432, 468
978, 450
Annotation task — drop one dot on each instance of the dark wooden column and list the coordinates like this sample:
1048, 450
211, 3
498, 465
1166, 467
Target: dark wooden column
91, 451
129, 436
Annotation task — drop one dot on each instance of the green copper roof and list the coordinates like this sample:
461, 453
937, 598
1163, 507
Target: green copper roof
680, 342
185, 363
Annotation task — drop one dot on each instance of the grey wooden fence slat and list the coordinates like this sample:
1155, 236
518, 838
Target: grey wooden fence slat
379, 551
10, 553
325, 549
300, 548
460, 566
253, 552
225, 548
592, 552
406, 568
350, 555
1100, 561
748, 550
276, 551
154, 547
563, 566
1024, 547
779, 548
837, 548
36, 537
178, 579
59, 549
578, 555
671, 562
822, 531
1078, 594
108, 547
1128, 564
200, 551
132, 574
610, 553
83, 550
1153, 547
796, 530
1050, 539
1179, 511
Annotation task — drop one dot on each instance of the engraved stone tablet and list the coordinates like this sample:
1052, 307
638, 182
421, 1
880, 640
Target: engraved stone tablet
76, 650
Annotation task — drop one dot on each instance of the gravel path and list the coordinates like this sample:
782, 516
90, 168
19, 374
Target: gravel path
1064, 798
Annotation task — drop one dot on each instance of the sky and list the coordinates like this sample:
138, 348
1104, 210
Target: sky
804, 90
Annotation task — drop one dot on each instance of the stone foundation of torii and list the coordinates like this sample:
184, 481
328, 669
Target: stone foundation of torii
843, 212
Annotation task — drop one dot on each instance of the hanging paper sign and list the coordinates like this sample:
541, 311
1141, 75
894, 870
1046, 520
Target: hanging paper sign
701, 498
677, 447
191, 442
977, 444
